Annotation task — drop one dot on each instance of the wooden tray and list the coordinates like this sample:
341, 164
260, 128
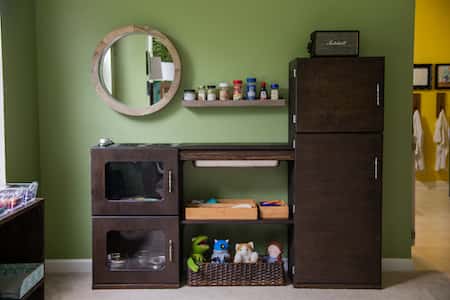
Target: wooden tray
274, 212
223, 210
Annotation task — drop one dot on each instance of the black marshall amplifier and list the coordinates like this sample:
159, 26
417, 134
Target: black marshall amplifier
334, 43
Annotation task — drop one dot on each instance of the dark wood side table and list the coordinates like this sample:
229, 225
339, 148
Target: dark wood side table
22, 236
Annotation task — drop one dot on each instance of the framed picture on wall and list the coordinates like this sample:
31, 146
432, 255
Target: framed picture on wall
442, 80
422, 76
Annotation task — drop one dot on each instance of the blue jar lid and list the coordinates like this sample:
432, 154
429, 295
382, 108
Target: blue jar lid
251, 79
274, 85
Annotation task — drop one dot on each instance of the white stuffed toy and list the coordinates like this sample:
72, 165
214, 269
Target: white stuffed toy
245, 253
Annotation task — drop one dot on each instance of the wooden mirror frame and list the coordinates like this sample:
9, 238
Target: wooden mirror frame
100, 51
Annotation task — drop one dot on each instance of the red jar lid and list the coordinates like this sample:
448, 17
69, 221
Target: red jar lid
237, 81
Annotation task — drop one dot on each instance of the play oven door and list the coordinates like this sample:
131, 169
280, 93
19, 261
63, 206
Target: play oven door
134, 181
136, 252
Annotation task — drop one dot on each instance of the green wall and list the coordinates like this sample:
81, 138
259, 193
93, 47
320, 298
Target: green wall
216, 42
21, 110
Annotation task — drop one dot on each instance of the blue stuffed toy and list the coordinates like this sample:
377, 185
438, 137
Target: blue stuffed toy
220, 253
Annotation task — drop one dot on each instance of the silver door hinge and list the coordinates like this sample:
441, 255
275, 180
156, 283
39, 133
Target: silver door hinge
294, 119
295, 73
293, 270
293, 144
293, 209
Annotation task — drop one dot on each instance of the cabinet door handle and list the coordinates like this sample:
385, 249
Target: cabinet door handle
170, 181
378, 94
376, 168
170, 251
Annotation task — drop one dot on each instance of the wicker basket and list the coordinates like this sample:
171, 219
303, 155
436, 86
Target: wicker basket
231, 274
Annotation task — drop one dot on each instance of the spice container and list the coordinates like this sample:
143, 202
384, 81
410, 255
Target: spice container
263, 91
212, 94
201, 93
274, 93
237, 90
251, 88
224, 93
189, 95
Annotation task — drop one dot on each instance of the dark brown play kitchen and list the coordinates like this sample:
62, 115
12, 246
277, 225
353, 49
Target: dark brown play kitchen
332, 214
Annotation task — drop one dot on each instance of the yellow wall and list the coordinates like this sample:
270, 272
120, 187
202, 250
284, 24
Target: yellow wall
431, 46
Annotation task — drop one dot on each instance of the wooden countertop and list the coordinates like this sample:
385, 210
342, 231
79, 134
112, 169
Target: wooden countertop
217, 151
236, 152
234, 146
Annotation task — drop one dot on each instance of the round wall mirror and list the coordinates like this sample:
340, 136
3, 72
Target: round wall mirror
136, 70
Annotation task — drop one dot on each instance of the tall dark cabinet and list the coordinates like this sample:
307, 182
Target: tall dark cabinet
336, 128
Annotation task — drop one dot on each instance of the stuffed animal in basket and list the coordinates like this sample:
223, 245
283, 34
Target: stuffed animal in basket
199, 247
245, 253
274, 252
220, 253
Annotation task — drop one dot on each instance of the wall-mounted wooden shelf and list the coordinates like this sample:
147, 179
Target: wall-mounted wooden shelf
239, 103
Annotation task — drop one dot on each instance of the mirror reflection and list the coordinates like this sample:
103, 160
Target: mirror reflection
137, 70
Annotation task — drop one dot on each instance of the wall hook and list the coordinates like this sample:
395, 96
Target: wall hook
417, 99
440, 103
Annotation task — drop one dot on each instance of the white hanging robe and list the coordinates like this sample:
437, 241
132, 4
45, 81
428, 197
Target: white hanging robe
418, 140
441, 140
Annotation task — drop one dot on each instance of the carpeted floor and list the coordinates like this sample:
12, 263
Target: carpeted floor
397, 286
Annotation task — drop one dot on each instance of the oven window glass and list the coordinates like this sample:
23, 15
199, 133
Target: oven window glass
136, 250
135, 181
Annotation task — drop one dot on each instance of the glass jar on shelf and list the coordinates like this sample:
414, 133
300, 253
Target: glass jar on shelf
212, 93
274, 92
263, 91
237, 90
201, 93
224, 93
251, 89
189, 95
